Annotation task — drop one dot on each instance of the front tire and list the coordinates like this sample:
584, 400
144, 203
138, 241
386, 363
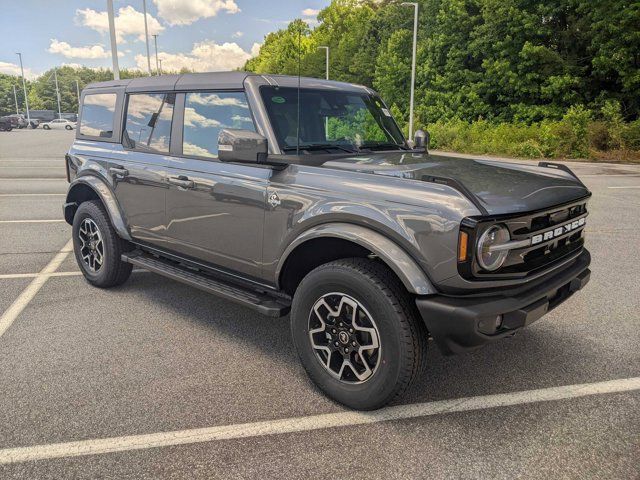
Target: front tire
46, 127
358, 333
67, 127
98, 248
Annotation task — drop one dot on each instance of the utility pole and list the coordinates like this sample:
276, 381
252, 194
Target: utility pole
24, 86
413, 63
55, 76
15, 97
112, 35
146, 34
78, 92
160, 66
155, 41
326, 49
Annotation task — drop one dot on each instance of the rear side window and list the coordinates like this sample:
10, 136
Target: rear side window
205, 114
148, 124
97, 115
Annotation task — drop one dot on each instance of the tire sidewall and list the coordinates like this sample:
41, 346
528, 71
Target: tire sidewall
379, 388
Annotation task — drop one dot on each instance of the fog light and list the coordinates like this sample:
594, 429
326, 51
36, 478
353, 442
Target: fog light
490, 325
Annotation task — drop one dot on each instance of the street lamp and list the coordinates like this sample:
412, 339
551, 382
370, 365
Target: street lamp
78, 92
24, 86
155, 42
15, 98
112, 35
55, 76
146, 34
326, 49
413, 62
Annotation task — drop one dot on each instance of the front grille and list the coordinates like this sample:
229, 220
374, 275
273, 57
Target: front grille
529, 259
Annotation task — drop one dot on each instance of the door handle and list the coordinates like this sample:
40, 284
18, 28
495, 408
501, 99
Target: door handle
182, 182
118, 172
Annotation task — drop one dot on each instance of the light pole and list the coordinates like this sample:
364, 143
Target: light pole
146, 34
24, 86
413, 63
326, 49
155, 42
15, 98
112, 35
78, 92
55, 76
160, 66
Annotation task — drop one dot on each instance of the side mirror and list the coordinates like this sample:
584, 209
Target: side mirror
244, 146
421, 139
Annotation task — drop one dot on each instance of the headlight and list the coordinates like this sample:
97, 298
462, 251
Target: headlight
495, 235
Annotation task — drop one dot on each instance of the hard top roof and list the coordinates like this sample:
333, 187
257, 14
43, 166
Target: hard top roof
216, 80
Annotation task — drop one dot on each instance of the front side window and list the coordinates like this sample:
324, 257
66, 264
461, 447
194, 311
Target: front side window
330, 119
148, 124
205, 114
97, 115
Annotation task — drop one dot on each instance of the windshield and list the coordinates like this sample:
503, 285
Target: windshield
330, 120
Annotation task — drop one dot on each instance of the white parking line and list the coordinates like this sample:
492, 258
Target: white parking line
634, 186
32, 194
9, 276
34, 178
11, 313
314, 422
34, 221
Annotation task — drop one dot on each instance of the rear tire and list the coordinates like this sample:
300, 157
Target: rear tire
98, 248
67, 127
340, 359
46, 127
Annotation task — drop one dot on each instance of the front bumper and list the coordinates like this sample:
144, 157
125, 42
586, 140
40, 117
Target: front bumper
460, 324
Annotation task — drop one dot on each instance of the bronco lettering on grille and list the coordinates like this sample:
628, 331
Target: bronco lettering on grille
558, 231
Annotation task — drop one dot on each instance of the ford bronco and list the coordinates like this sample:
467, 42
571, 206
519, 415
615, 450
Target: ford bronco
301, 197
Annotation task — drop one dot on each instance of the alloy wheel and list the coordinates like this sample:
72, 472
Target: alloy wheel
345, 338
91, 245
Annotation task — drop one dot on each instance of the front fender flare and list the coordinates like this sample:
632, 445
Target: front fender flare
107, 197
407, 270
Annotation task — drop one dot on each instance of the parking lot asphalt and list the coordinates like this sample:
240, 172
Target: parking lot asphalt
79, 364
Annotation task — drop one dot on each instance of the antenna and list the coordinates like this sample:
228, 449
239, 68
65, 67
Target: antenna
298, 103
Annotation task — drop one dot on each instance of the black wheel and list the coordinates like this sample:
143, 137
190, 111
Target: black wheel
358, 333
46, 127
98, 247
67, 127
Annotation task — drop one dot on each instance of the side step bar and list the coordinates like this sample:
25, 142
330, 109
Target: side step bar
269, 305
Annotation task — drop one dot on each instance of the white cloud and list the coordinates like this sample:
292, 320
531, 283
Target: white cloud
180, 12
66, 50
14, 69
206, 56
237, 34
129, 22
193, 119
255, 49
310, 12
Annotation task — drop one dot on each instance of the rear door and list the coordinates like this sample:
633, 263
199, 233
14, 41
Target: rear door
215, 210
139, 169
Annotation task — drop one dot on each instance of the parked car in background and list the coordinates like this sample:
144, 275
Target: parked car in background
35, 123
19, 120
59, 123
5, 124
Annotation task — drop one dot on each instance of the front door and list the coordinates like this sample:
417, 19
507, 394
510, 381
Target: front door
215, 210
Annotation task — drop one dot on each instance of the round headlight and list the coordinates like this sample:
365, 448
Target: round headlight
495, 235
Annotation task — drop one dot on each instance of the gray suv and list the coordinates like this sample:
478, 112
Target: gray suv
301, 197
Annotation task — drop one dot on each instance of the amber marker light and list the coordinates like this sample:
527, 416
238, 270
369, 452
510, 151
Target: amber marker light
463, 240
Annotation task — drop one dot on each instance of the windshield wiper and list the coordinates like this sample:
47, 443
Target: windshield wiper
320, 146
382, 146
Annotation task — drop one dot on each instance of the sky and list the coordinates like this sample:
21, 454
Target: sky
202, 35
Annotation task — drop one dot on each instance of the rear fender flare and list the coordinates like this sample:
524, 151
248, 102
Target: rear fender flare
107, 197
407, 270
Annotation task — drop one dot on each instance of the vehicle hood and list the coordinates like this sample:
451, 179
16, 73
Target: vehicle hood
499, 187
